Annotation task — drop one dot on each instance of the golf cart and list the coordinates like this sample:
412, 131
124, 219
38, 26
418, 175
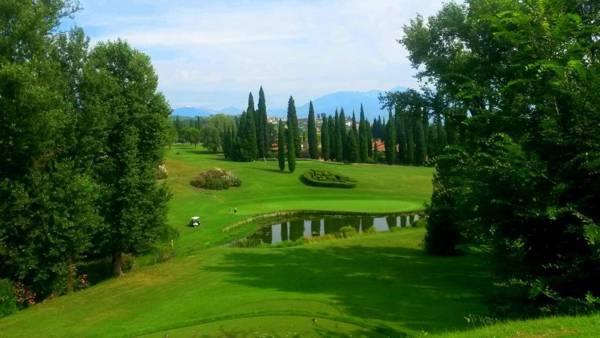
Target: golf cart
194, 221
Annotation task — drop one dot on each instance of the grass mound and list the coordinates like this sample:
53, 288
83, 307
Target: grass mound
326, 178
216, 179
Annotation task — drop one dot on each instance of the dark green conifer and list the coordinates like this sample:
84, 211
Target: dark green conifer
292, 124
281, 145
313, 150
325, 142
390, 140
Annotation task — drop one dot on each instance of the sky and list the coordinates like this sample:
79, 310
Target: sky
211, 53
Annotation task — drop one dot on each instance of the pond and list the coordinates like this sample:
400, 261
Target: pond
307, 226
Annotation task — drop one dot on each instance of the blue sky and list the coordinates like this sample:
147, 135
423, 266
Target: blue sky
212, 53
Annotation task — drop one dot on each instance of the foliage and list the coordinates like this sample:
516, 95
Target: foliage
313, 150
132, 138
346, 232
516, 85
281, 142
325, 178
8, 301
325, 138
210, 138
216, 179
292, 135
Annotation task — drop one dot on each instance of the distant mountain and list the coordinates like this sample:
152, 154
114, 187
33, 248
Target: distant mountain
204, 112
192, 111
350, 101
231, 110
327, 104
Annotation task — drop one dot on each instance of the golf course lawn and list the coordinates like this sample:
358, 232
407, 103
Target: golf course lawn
371, 285
265, 189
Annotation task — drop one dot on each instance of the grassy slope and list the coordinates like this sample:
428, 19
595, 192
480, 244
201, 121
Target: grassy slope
366, 286
585, 326
373, 285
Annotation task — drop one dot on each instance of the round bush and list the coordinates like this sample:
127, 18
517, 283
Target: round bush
325, 178
216, 179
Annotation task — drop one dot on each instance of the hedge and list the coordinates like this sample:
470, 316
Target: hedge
325, 178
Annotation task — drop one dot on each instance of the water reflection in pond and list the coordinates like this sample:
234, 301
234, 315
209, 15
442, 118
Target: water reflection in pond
312, 226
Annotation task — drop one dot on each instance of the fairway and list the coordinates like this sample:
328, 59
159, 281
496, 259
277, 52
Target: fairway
265, 189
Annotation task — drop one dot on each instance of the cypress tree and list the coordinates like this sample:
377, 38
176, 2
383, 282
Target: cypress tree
332, 125
363, 137
410, 142
420, 145
312, 133
334, 122
353, 147
251, 140
325, 138
401, 133
390, 140
281, 145
342, 136
292, 123
369, 139
261, 124
339, 138
246, 139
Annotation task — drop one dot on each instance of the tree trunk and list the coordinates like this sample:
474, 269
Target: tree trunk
117, 263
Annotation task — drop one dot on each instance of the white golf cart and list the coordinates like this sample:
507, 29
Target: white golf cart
194, 221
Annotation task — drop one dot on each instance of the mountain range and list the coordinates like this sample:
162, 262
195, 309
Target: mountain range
349, 100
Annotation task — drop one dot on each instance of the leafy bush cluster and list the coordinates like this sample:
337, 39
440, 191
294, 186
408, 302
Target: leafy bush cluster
216, 179
325, 178
8, 300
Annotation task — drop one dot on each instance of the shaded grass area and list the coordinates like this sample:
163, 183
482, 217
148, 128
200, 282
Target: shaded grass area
372, 285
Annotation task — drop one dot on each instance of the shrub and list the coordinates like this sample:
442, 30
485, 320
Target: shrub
325, 178
216, 179
161, 172
8, 301
346, 231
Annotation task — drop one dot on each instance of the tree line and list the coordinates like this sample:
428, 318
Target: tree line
516, 83
251, 136
414, 133
83, 132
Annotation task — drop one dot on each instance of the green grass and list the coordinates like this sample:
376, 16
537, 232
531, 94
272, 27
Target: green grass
376, 285
265, 189
584, 326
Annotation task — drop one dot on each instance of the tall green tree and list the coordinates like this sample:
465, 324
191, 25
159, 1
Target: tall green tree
363, 137
325, 138
420, 144
390, 140
522, 119
352, 142
120, 90
343, 135
370, 139
47, 195
333, 132
313, 148
281, 142
292, 127
262, 129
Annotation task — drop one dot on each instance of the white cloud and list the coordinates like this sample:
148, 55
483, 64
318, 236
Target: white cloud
208, 52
